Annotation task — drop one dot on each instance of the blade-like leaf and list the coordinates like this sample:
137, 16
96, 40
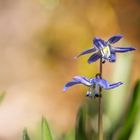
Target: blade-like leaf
45, 130
80, 132
127, 122
70, 135
25, 135
2, 95
131, 116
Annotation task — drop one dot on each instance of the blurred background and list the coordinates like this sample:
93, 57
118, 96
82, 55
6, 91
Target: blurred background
38, 41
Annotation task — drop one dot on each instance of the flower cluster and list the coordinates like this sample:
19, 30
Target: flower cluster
106, 52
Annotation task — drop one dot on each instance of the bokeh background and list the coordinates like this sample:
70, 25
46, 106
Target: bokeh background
38, 41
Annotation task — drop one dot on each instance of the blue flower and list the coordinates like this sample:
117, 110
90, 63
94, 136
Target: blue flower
105, 50
94, 84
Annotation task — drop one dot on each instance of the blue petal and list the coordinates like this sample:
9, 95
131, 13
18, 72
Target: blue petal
86, 52
112, 57
93, 80
94, 57
115, 85
82, 80
123, 49
103, 83
99, 43
69, 84
114, 39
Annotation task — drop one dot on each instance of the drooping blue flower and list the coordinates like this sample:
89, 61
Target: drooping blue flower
105, 50
94, 84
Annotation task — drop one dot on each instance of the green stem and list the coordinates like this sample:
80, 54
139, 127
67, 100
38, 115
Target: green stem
100, 119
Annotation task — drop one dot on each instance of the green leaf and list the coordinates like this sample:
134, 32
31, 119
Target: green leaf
25, 135
131, 115
45, 130
70, 135
80, 132
2, 95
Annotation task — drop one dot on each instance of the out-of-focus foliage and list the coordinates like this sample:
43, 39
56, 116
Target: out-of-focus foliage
129, 119
2, 95
45, 130
86, 122
25, 135
80, 129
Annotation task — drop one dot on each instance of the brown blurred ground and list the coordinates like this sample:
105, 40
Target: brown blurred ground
38, 40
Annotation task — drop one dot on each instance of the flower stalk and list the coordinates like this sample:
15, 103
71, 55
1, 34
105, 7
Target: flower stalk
100, 120
100, 115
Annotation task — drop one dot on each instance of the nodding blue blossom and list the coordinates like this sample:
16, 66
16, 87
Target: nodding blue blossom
105, 50
94, 84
